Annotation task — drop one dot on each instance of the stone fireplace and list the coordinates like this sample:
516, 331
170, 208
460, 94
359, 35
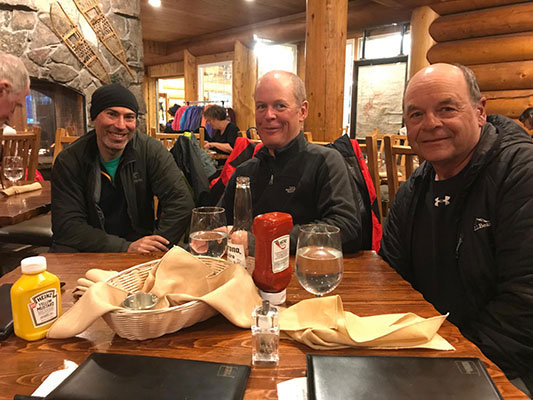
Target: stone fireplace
61, 85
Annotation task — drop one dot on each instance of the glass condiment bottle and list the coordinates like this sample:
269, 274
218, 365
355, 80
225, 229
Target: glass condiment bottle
35, 299
272, 272
241, 240
265, 335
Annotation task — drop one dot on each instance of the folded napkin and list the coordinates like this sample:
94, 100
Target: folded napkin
322, 324
21, 189
91, 277
179, 277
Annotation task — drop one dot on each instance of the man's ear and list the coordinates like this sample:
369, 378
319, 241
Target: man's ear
5, 87
304, 110
482, 113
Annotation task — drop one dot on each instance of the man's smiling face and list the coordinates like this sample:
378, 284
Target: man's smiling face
114, 129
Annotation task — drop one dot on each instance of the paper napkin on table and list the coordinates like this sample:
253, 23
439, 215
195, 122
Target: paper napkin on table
21, 189
179, 277
322, 324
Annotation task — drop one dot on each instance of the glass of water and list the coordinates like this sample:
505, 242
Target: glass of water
319, 263
13, 168
208, 235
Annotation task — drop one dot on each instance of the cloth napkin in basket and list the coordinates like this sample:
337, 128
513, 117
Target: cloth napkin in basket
179, 277
91, 277
322, 324
21, 189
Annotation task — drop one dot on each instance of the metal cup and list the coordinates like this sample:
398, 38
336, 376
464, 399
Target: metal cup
140, 301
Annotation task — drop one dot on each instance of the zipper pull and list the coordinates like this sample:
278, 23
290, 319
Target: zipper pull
271, 179
459, 243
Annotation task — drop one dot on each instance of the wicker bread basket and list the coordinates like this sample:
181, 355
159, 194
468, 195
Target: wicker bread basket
140, 325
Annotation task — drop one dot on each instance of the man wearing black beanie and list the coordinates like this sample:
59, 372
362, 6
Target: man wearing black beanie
103, 185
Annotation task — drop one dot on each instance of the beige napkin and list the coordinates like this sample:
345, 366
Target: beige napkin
322, 324
91, 277
179, 277
21, 189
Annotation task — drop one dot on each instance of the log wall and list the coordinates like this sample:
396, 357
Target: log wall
495, 40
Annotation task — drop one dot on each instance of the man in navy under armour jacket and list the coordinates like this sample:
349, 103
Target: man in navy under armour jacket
460, 229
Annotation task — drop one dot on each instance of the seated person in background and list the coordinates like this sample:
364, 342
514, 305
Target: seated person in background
460, 229
103, 185
527, 118
290, 175
14, 86
172, 111
225, 132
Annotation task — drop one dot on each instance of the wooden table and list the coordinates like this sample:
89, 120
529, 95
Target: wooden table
369, 287
21, 207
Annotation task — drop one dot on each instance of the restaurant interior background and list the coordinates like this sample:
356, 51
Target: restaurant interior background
199, 53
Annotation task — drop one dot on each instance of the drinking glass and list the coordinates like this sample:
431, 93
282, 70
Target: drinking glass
13, 168
319, 263
208, 235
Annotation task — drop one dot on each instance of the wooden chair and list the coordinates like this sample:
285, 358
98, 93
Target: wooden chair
370, 147
253, 133
202, 137
63, 138
26, 145
396, 146
167, 139
308, 136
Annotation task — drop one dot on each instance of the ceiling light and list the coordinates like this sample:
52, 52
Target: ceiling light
155, 3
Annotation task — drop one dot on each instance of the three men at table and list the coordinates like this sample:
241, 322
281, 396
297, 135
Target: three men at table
460, 229
290, 175
103, 185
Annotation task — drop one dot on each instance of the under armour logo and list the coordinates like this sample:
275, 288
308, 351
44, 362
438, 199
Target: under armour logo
481, 223
445, 201
290, 189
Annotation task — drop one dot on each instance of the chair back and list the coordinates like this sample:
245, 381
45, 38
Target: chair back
167, 139
24, 144
253, 133
401, 161
63, 138
308, 136
370, 148
202, 137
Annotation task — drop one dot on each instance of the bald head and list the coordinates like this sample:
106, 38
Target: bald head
287, 79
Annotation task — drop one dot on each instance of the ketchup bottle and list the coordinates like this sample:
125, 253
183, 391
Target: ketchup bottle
272, 272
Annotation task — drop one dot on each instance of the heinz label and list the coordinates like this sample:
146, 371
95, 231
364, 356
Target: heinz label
280, 253
43, 307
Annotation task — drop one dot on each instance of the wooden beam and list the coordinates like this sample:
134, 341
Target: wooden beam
324, 70
244, 78
452, 7
190, 73
421, 42
487, 50
510, 103
214, 58
504, 76
300, 61
150, 100
167, 70
496, 21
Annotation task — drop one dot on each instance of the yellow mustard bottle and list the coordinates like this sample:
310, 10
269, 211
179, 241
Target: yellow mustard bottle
35, 299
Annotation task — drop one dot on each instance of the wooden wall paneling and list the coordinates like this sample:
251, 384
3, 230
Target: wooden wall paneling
490, 49
244, 78
451, 7
150, 99
214, 58
190, 73
325, 59
300, 61
510, 103
496, 21
421, 41
167, 70
504, 76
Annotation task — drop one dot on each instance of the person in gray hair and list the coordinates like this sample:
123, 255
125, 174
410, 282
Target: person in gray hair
14, 85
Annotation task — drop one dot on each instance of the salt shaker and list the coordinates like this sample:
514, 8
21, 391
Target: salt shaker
265, 335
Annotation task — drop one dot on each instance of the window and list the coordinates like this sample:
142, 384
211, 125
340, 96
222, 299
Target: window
170, 92
274, 57
215, 82
383, 45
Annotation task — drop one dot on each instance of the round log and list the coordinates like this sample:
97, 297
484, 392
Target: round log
496, 21
510, 107
421, 42
504, 76
492, 49
451, 7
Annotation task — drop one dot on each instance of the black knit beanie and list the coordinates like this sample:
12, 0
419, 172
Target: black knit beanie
114, 95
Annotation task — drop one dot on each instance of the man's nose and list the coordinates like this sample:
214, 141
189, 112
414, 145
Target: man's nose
431, 121
120, 122
270, 113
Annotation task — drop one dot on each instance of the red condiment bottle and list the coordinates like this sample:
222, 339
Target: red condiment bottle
272, 272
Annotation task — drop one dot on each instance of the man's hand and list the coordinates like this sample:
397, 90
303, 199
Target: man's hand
147, 244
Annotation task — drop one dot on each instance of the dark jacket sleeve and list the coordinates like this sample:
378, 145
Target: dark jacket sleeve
168, 184
504, 329
70, 212
336, 202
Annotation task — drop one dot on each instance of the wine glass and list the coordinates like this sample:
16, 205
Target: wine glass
13, 168
208, 235
319, 262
